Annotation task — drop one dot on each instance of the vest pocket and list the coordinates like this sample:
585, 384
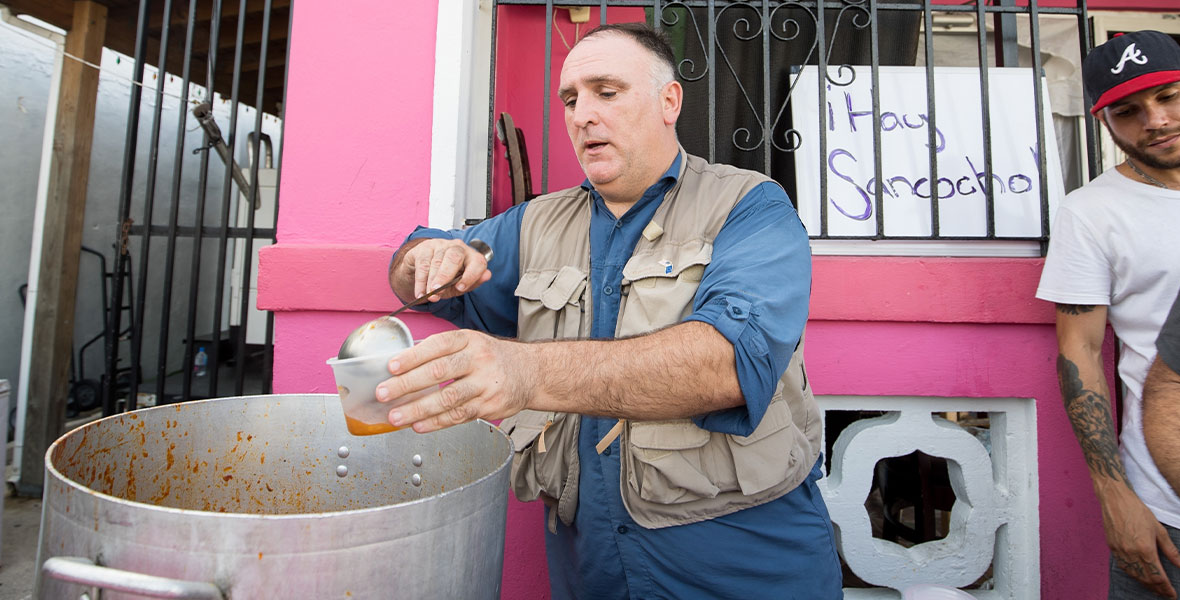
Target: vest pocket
668, 460
545, 462
660, 288
767, 456
552, 303
674, 462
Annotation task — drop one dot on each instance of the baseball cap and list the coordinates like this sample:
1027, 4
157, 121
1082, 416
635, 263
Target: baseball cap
1127, 64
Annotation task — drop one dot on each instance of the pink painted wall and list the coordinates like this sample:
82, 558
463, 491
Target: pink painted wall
356, 179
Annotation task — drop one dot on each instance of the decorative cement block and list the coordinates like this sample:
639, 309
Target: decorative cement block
994, 520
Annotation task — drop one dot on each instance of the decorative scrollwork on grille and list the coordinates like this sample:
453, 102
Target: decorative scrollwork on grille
687, 65
743, 22
791, 140
751, 141
861, 19
845, 75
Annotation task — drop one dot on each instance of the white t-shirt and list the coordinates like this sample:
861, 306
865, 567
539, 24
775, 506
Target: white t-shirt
1116, 242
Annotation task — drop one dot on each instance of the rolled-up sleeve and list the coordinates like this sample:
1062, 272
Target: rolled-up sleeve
755, 292
492, 306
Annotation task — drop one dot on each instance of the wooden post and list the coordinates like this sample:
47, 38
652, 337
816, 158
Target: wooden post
53, 325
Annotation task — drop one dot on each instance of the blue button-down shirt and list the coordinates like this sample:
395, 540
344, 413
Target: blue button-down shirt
755, 292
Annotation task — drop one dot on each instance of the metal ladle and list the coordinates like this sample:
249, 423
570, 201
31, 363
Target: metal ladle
388, 334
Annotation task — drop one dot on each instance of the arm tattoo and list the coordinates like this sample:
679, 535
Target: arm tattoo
1075, 309
1089, 413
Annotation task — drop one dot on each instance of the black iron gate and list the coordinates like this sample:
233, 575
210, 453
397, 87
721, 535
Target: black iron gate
741, 60
186, 252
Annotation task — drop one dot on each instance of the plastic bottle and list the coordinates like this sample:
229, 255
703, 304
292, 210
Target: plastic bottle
200, 363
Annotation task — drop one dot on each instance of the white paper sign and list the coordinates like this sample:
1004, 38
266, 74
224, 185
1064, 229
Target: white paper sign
905, 159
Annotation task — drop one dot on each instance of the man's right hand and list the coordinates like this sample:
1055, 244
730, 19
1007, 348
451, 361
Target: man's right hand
1137, 540
424, 264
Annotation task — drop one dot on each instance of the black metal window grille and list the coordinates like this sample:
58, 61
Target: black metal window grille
742, 57
172, 271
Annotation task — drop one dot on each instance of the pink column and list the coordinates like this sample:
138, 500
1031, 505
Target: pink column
356, 180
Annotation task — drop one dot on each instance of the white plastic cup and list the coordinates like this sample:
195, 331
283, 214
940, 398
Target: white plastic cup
356, 382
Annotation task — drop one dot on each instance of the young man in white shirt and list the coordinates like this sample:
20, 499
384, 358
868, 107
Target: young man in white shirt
1115, 254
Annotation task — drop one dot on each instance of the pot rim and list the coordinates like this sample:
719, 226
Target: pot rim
51, 469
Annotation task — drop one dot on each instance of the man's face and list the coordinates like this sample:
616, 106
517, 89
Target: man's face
1146, 126
617, 119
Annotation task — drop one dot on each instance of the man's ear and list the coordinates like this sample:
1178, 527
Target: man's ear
671, 101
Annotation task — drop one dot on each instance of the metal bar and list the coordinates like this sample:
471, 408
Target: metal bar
248, 259
83, 571
1039, 104
767, 126
963, 8
545, 100
931, 111
821, 81
712, 68
989, 192
199, 219
1090, 121
1005, 35
174, 208
491, 116
945, 238
204, 114
226, 190
149, 205
875, 69
130, 143
268, 355
602, 12
203, 231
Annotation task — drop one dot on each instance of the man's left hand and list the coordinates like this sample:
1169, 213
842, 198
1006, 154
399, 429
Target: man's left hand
486, 376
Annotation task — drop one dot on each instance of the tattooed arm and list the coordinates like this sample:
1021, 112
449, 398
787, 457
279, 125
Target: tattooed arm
1134, 535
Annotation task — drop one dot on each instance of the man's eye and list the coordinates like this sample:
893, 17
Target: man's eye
569, 102
608, 94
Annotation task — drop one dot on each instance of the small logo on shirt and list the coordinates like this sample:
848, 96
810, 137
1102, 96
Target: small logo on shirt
667, 264
1132, 54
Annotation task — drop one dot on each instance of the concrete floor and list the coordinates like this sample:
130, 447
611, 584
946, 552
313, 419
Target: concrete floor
18, 547
21, 524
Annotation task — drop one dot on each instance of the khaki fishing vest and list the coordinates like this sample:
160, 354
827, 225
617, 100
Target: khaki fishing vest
672, 472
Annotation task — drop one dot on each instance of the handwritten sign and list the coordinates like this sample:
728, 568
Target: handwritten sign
905, 124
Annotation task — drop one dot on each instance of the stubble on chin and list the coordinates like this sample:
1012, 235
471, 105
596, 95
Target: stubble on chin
1141, 156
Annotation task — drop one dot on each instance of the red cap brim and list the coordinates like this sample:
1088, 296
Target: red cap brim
1130, 86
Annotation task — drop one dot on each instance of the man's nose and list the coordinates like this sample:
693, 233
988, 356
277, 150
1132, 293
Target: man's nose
1156, 116
585, 112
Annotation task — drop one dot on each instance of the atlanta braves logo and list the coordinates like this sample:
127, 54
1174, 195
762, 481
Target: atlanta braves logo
1132, 54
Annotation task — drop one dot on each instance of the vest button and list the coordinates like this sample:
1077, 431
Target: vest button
622, 529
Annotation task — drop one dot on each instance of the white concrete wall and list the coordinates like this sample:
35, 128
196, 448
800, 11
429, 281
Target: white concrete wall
25, 72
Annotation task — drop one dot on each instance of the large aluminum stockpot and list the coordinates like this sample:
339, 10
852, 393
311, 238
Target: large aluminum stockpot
270, 497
